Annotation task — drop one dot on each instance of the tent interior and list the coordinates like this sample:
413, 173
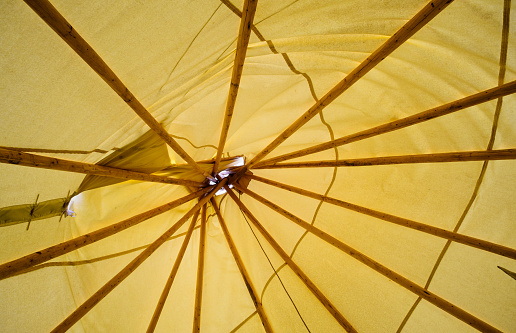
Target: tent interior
257, 166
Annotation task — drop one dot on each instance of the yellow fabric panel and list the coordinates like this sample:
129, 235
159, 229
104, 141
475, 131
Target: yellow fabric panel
17, 241
315, 315
253, 325
51, 301
178, 310
408, 252
225, 301
469, 278
505, 133
252, 255
21, 185
281, 313
355, 289
491, 216
428, 318
404, 190
76, 109
284, 231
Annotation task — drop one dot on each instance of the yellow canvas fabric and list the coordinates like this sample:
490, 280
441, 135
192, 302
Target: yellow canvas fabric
176, 57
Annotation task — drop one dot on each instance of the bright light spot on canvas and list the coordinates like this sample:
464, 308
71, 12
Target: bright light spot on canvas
239, 161
222, 191
75, 202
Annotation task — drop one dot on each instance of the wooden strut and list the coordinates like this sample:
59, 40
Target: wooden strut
443, 233
424, 16
242, 42
60, 25
38, 161
465, 156
13, 267
245, 275
200, 273
445, 109
376, 266
295, 268
170, 280
117, 279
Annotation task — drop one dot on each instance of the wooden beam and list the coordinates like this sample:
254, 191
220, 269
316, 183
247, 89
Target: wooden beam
295, 268
13, 267
200, 273
242, 42
424, 16
117, 279
463, 103
376, 266
449, 235
60, 25
170, 280
223, 159
464, 156
39, 161
245, 275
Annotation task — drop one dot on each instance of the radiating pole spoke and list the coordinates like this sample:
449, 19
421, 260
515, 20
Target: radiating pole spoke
445, 109
450, 235
117, 279
12, 267
60, 25
200, 273
424, 16
245, 275
242, 42
170, 280
295, 268
465, 156
39, 161
376, 266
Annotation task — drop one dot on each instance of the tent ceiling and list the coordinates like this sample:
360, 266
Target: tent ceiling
377, 195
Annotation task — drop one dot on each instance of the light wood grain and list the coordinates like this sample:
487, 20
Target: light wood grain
39, 161
295, 268
445, 109
464, 156
12, 267
243, 40
60, 25
429, 296
85, 307
424, 16
200, 273
443, 233
241, 267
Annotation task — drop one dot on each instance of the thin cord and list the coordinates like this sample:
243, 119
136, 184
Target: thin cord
275, 272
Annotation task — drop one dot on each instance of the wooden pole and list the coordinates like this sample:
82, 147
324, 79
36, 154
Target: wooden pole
393, 276
242, 42
117, 279
245, 275
295, 268
424, 16
200, 273
463, 103
38, 161
12, 267
223, 159
480, 155
449, 235
170, 280
60, 25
